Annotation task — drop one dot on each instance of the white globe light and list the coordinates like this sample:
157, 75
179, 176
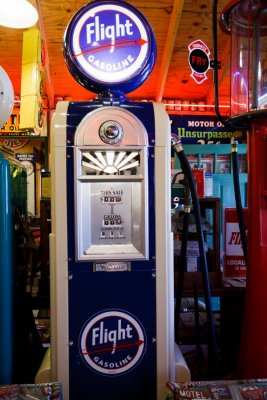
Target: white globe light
17, 14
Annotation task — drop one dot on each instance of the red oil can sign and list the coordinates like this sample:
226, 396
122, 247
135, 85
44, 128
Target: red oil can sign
234, 261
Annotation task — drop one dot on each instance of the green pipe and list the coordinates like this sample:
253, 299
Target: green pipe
6, 275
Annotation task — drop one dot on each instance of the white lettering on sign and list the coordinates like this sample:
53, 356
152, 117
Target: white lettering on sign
96, 31
237, 263
233, 240
112, 216
108, 67
192, 394
111, 192
201, 123
101, 335
112, 365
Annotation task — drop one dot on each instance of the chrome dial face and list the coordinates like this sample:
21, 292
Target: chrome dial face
111, 132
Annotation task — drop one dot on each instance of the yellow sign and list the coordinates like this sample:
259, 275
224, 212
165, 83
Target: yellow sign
11, 127
31, 77
12, 124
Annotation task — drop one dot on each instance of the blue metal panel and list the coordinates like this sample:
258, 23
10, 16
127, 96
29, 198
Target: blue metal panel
91, 292
131, 292
145, 113
6, 274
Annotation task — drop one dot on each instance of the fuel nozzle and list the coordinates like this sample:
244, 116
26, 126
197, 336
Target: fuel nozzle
234, 144
176, 144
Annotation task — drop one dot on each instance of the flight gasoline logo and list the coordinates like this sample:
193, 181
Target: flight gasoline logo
112, 342
110, 43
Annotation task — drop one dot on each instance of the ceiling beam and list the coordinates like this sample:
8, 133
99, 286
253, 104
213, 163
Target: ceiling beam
169, 45
48, 87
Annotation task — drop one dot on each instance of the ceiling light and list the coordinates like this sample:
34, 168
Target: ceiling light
17, 14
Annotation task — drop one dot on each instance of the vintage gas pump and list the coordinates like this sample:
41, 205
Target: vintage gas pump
111, 242
247, 22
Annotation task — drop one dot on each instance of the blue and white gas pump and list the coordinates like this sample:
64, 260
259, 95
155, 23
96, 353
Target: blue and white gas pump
111, 242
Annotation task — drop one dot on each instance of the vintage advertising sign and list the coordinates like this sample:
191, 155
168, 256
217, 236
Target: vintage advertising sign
13, 144
198, 129
234, 261
112, 342
28, 160
12, 126
109, 45
199, 60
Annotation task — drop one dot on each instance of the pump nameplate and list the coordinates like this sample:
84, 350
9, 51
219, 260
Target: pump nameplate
114, 266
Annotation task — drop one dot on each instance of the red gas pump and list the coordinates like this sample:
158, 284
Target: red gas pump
246, 21
253, 350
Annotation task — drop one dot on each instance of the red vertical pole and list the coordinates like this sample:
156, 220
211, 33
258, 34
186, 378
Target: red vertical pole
253, 349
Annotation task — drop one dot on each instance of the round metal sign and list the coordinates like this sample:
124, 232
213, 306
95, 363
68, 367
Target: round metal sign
199, 60
109, 46
112, 342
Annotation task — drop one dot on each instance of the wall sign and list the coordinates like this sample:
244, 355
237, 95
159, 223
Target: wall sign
109, 45
12, 126
201, 129
199, 60
112, 342
234, 261
28, 160
14, 144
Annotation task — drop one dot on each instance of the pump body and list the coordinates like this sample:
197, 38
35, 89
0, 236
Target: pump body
246, 21
111, 251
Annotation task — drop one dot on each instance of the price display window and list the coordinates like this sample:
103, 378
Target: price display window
111, 204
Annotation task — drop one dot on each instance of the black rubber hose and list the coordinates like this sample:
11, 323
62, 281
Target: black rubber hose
183, 259
239, 208
197, 325
182, 269
213, 350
